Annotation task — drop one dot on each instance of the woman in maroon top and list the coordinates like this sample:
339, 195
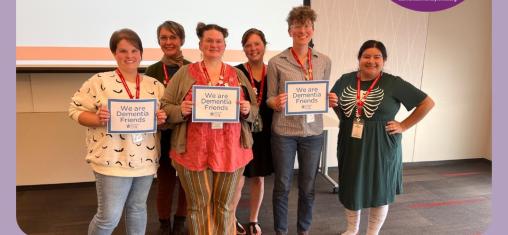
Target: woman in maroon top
209, 157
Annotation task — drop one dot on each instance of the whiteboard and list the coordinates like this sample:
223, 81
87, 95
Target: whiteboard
76, 33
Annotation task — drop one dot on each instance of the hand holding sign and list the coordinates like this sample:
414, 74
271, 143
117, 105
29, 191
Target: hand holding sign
333, 100
103, 115
244, 107
280, 102
161, 117
186, 107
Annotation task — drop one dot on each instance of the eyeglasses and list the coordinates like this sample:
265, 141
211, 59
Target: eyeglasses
302, 26
211, 41
166, 38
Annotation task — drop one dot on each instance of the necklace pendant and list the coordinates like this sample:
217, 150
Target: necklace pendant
255, 90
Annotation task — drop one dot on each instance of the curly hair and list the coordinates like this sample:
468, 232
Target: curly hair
300, 15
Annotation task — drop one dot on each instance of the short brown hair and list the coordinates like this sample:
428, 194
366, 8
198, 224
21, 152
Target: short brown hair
127, 34
251, 31
174, 27
201, 28
300, 15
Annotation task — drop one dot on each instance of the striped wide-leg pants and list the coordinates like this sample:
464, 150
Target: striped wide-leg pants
209, 196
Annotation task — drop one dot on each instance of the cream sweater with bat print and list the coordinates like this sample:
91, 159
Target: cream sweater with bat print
117, 154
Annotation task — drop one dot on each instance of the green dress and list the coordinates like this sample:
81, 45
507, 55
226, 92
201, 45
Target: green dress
370, 168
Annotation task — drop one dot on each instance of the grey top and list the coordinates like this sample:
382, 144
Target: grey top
283, 67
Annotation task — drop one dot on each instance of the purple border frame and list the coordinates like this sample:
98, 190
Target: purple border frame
499, 124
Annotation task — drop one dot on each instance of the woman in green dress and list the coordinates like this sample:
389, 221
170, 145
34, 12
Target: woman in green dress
369, 143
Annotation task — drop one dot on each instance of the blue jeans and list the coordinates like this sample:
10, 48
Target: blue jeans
113, 194
284, 149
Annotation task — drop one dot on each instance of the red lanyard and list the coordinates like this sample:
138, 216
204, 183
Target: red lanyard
207, 76
262, 87
308, 73
361, 101
127, 87
166, 77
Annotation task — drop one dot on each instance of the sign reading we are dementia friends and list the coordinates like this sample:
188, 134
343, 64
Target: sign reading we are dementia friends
215, 104
132, 116
306, 97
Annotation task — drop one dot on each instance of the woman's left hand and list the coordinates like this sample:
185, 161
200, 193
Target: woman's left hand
161, 117
394, 127
244, 107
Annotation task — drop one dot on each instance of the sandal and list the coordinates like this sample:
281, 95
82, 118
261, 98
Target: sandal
239, 229
254, 228
179, 225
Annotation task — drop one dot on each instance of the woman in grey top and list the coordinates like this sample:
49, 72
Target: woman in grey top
296, 134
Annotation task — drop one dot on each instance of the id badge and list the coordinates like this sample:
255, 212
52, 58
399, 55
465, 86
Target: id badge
310, 118
217, 125
137, 138
357, 128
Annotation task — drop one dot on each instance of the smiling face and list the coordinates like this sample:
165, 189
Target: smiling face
169, 42
127, 56
371, 63
301, 33
212, 45
254, 48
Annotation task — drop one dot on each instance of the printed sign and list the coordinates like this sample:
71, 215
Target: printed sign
215, 104
132, 116
306, 97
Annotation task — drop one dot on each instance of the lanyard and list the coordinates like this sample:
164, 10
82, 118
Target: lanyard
361, 101
207, 76
262, 87
166, 77
127, 87
308, 73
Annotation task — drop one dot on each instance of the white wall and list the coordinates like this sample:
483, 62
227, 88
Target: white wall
342, 26
447, 54
435, 52
457, 73
50, 147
